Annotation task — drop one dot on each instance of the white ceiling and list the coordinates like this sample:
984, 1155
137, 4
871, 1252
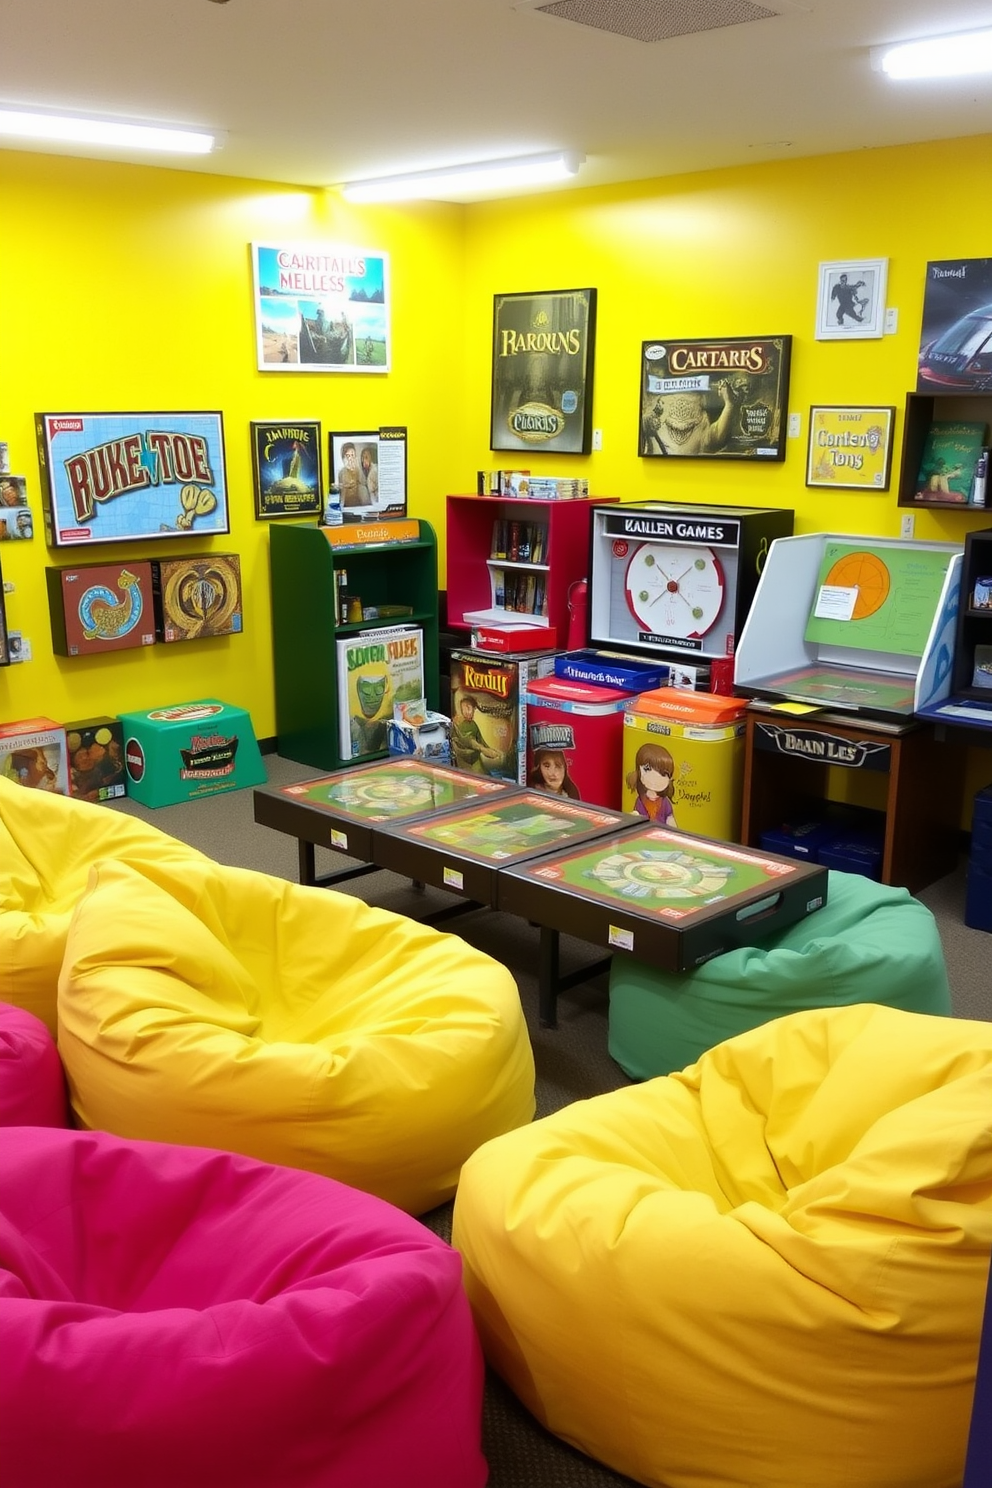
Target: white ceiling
315, 92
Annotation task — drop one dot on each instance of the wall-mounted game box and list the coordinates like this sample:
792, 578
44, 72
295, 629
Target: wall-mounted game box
118, 477
197, 596
676, 582
860, 624
99, 607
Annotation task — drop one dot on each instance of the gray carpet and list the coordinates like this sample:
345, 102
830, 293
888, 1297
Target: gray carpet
572, 1061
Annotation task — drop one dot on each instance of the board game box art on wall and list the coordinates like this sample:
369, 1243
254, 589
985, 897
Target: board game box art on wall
118, 477
321, 307
376, 669
850, 302
370, 472
543, 348
724, 399
286, 468
850, 447
100, 607
197, 597
956, 334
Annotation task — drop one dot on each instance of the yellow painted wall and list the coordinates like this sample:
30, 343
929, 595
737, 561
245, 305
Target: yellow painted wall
130, 287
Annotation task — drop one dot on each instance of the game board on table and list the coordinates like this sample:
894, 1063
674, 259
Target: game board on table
341, 809
858, 688
461, 849
677, 898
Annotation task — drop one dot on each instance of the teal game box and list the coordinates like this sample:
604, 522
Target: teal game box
188, 751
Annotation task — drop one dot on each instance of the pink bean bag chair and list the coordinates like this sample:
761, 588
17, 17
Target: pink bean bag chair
179, 1316
32, 1084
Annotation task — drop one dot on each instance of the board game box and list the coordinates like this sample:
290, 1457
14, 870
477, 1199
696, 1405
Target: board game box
340, 810
96, 758
461, 850
100, 607
197, 597
488, 713
376, 670
666, 896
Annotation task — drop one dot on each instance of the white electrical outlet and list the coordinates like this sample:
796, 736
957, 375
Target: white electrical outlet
907, 526
795, 425
891, 323
597, 439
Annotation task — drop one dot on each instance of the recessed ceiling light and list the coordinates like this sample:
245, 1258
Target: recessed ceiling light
81, 129
936, 56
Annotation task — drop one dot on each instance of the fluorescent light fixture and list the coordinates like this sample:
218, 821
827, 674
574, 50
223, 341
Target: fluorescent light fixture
481, 175
79, 129
936, 56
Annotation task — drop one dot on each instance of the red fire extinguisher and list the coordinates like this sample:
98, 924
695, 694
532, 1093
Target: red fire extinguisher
578, 615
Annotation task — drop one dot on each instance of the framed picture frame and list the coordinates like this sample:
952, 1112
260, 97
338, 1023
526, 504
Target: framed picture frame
721, 398
286, 467
321, 307
542, 373
850, 447
850, 301
369, 468
123, 477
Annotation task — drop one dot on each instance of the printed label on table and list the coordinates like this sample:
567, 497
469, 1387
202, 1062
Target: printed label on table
338, 839
453, 879
622, 939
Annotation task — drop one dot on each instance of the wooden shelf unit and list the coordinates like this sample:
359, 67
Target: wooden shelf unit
921, 410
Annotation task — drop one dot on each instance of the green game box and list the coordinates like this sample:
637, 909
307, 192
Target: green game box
340, 810
465, 850
667, 897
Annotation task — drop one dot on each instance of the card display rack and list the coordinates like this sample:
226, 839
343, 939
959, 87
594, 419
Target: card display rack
305, 571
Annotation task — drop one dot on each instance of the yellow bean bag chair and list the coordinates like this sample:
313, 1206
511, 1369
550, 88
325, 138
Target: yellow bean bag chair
230, 1009
47, 847
765, 1270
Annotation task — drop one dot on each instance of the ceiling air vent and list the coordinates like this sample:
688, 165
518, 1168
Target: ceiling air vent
659, 20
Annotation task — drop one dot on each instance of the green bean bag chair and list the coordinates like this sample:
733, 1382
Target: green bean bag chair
869, 943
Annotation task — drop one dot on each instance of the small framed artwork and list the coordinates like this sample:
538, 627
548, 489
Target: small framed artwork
850, 304
370, 471
850, 447
543, 345
286, 468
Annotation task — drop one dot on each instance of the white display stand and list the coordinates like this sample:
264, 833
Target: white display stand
775, 658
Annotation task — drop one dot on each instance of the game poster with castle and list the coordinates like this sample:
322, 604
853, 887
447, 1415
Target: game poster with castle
376, 669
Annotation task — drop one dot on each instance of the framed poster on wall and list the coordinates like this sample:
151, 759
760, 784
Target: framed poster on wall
850, 447
543, 347
850, 302
370, 470
723, 399
119, 477
286, 467
320, 307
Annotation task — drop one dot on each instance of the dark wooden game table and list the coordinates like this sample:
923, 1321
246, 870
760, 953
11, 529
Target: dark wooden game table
567, 867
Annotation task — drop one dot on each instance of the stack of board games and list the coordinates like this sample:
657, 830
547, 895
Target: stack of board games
376, 670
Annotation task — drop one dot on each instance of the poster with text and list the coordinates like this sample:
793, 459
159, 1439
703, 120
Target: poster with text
715, 398
956, 334
118, 477
321, 307
543, 345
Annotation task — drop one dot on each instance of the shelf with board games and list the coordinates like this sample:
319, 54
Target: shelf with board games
510, 556
942, 440
392, 584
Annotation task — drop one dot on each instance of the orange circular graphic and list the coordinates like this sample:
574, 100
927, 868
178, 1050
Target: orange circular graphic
869, 575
